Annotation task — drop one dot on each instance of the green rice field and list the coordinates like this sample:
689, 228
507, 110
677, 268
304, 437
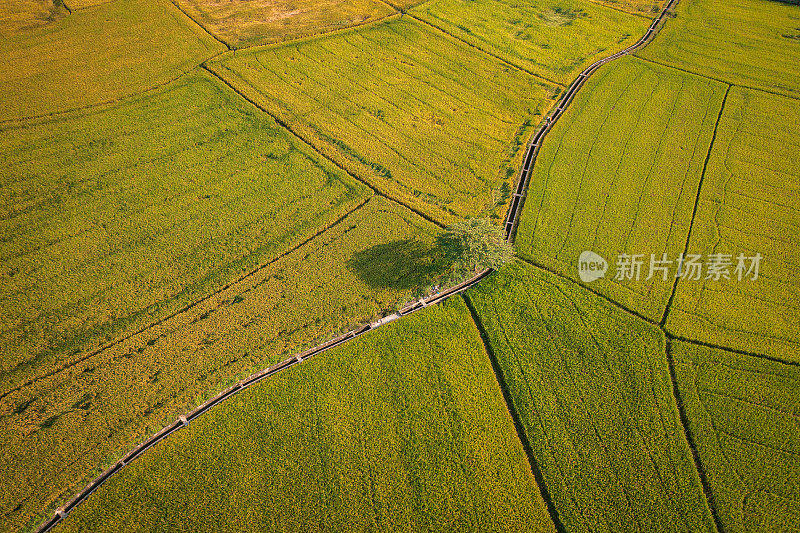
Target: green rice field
113, 50
742, 413
746, 42
619, 174
403, 429
420, 117
749, 204
60, 429
116, 218
194, 190
592, 389
554, 39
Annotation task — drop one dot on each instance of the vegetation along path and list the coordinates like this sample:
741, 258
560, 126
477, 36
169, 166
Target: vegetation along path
511, 222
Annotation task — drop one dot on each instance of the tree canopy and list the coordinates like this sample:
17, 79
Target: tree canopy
473, 245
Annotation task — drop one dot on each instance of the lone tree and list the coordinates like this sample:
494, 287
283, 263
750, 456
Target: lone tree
473, 245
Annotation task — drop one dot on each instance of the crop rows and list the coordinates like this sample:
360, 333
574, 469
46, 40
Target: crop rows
747, 42
619, 174
116, 218
402, 429
97, 55
742, 413
554, 39
749, 204
420, 117
61, 427
593, 394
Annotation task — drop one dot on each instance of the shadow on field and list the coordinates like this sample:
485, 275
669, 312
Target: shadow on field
398, 265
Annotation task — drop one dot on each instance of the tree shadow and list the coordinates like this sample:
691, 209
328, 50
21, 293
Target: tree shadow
400, 265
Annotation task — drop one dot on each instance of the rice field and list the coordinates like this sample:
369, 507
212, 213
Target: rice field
243, 23
116, 218
619, 173
96, 55
742, 413
60, 429
749, 204
591, 386
83, 4
403, 429
420, 117
745, 42
554, 39
24, 15
637, 7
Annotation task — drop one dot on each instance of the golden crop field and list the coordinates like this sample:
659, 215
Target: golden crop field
243, 23
637, 7
554, 39
417, 115
65, 425
742, 413
747, 42
116, 218
98, 54
82, 4
749, 204
592, 389
24, 15
403, 429
193, 190
619, 174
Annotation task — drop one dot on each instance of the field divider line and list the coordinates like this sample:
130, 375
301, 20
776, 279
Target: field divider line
485, 52
515, 418
511, 222
687, 433
206, 30
188, 306
596, 292
738, 351
663, 322
285, 125
706, 76
307, 37
34, 120
184, 420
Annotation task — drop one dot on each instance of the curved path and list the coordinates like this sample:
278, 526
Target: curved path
511, 222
